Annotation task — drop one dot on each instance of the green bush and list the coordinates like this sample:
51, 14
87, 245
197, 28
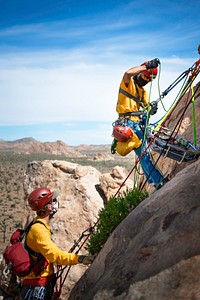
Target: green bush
112, 215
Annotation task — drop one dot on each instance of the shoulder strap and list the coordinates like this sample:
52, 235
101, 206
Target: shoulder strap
39, 222
30, 251
129, 95
26, 230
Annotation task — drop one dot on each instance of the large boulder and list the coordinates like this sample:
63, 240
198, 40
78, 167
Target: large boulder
155, 252
117, 180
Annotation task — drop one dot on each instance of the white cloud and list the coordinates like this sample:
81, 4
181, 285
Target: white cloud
53, 87
73, 92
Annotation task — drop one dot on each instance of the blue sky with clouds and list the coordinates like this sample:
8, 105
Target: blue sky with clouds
61, 61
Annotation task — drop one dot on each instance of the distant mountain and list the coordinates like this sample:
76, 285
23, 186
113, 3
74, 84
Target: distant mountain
29, 145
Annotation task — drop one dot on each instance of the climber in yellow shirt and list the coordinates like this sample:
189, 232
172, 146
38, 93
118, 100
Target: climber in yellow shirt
38, 243
131, 99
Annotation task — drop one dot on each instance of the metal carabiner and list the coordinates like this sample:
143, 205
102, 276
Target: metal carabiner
7, 269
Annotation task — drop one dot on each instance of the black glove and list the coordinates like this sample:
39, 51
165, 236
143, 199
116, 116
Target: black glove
152, 63
154, 108
86, 260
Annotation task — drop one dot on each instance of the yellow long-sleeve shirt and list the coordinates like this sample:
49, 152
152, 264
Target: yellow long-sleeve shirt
39, 240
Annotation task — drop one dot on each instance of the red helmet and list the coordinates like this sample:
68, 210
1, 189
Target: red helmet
39, 197
150, 73
122, 133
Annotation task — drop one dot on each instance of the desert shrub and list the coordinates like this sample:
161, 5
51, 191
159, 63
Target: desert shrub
112, 215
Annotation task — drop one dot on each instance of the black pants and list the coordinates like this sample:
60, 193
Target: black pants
37, 292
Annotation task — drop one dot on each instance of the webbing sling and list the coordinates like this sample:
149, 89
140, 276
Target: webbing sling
125, 93
128, 114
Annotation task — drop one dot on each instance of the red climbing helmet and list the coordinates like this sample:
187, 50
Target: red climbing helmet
122, 133
150, 74
40, 197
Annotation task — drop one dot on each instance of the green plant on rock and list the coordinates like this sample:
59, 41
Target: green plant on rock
112, 215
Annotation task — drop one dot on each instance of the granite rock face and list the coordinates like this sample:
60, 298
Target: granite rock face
155, 252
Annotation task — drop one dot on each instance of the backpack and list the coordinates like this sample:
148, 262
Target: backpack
18, 258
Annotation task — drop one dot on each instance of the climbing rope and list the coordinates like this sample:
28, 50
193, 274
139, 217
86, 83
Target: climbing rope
194, 70
194, 118
60, 269
172, 132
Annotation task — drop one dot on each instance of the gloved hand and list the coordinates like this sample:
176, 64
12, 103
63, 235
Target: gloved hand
154, 108
152, 63
86, 260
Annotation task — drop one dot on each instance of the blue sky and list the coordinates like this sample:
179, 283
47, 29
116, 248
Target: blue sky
61, 62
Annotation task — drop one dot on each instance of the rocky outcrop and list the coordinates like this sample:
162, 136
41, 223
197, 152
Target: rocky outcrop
155, 252
103, 157
111, 182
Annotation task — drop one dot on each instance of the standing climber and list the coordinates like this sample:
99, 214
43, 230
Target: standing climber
38, 239
128, 131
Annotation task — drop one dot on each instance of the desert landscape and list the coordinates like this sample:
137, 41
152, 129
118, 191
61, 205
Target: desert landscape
14, 157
